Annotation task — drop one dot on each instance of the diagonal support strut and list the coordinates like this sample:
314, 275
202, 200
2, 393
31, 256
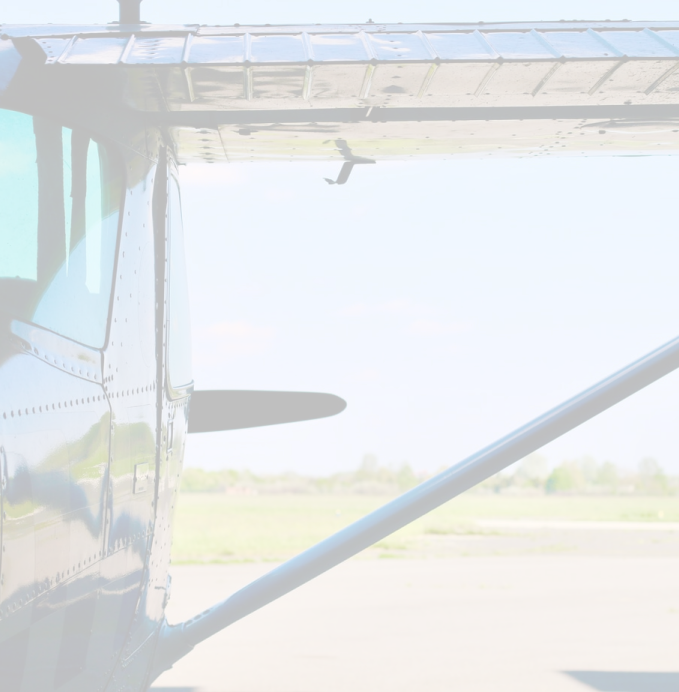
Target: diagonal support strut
177, 640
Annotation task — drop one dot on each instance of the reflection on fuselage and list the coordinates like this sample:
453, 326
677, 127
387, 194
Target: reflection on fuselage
89, 476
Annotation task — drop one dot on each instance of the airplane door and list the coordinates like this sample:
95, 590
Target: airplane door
176, 377
178, 385
56, 274
173, 372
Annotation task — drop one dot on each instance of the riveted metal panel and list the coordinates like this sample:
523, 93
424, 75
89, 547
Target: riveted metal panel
391, 82
577, 44
668, 90
518, 78
96, 51
461, 46
577, 78
385, 27
337, 47
278, 82
519, 46
399, 47
143, 91
211, 75
272, 49
160, 50
205, 142
639, 44
453, 80
54, 48
635, 76
451, 139
671, 37
217, 86
337, 82
217, 50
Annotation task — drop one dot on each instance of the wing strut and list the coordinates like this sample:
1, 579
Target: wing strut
177, 640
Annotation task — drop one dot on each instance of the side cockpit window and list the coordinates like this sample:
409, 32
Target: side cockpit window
60, 193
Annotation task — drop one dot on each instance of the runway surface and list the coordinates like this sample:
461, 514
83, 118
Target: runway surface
599, 611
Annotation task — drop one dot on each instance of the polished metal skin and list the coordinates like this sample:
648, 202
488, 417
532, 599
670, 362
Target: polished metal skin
92, 431
384, 91
89, 472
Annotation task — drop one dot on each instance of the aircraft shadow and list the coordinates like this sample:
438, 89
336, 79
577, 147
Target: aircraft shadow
615, 681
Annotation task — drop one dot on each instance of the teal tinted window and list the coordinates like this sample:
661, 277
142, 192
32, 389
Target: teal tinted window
60, 193
179, 355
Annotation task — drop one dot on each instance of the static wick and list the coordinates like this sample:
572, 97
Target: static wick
130, 12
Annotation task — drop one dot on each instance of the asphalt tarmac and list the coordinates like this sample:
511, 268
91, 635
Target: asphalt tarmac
479, 613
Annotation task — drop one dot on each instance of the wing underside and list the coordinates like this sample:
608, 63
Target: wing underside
382, 92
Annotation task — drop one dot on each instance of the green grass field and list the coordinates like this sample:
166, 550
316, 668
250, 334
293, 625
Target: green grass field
215, 527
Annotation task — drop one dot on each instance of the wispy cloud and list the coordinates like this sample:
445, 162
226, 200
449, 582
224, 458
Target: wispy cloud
206, 175
275, 195
436, 328
227, 339
399, 306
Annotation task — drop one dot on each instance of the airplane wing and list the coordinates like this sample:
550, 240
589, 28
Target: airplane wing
380, 91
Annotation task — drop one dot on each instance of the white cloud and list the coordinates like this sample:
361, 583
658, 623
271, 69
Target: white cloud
205, 175
275, 195
399, 306
224, 341
436, 328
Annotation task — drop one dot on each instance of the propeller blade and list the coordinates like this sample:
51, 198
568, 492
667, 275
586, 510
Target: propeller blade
214, 410
177, 640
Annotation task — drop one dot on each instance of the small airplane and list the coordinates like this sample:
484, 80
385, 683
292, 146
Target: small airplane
96, 390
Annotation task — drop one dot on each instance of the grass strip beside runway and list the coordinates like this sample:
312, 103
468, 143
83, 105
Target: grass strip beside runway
217, 527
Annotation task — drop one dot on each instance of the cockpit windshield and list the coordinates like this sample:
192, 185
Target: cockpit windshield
59, 207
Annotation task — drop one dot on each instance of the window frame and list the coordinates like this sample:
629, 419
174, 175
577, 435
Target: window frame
117, 161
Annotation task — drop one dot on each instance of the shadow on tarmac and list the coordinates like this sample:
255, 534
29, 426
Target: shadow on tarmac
605, 681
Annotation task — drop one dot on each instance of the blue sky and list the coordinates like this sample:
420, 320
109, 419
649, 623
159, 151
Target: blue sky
448, 302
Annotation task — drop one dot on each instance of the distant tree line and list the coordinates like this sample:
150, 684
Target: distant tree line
530, 476
583, 476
